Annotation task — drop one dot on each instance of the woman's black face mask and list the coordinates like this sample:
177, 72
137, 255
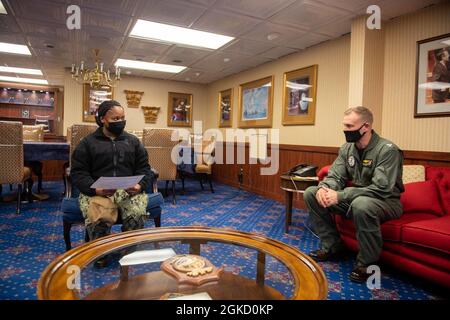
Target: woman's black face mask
116, 128
353, 135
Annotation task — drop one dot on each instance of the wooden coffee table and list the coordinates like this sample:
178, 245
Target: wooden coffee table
308, 279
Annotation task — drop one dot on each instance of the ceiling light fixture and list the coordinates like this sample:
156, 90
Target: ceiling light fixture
23, 80
142, 65
14, 48
21, 70
97, 77
166, 33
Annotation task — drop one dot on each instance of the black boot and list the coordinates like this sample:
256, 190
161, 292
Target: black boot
95, 231
133, 223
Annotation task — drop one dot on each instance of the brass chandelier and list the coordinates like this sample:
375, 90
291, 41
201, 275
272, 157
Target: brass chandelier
96, 77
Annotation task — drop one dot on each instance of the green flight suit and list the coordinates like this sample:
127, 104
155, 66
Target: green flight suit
373, 198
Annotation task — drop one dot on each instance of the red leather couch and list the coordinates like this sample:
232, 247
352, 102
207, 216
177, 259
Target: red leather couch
418, 242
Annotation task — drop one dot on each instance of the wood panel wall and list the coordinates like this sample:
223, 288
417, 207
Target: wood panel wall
291, 155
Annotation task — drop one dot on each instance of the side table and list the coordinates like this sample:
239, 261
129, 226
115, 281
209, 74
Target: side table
291, 184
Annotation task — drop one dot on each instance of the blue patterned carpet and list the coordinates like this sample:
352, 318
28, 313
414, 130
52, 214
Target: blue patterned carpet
28, 242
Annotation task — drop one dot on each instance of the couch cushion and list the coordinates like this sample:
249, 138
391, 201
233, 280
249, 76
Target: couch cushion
432, 233
422, 197
390, 230
71, 210
413, 173
155, 200
442, 176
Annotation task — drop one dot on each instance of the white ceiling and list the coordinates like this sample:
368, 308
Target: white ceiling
105, 24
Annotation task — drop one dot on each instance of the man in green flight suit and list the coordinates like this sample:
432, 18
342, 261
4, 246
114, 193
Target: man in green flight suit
374, 167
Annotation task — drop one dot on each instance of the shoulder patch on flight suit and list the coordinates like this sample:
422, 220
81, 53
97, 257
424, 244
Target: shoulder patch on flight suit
351, 161
367, 162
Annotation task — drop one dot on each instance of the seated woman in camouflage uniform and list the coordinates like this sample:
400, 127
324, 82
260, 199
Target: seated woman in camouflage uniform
111, 152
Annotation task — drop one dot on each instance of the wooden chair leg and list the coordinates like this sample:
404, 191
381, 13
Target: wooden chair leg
166, 192
65, 166
66, 228
174, 201
69, 186
201, 182
29, 190
157, 221
208, 177
180, 173
38, 172
19, 195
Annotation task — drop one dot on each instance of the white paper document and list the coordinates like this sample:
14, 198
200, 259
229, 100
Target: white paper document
147, 256
114, 183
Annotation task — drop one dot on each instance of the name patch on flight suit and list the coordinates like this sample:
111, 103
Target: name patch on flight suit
367, 162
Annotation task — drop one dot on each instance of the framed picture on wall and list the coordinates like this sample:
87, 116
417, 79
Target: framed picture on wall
433, 77
180, 109
256, 103
92, 98
299, 96
225, 106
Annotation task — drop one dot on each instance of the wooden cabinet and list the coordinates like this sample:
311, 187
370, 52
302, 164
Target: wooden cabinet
26, 103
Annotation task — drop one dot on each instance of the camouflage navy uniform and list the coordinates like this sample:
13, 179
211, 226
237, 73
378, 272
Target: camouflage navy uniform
132, 210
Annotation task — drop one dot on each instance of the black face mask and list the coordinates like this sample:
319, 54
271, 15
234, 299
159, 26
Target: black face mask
353, 135
116, 128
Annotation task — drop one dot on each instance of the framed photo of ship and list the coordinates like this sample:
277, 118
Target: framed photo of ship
225, 105
299, 96
256, 103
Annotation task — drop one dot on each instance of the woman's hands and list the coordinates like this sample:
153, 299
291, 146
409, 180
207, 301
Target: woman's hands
105, 192
134, 190
109, 192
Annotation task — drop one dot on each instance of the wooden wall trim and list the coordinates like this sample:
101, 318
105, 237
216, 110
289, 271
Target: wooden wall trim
290, 155
427, 155
408, 154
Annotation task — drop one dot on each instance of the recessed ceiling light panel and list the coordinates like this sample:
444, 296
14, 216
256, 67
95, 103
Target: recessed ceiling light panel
14, 48
142, 65
2, 8
166, 33
23, 80
21, 70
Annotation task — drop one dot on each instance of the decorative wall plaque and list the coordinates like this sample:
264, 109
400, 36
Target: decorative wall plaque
191, 269
150, 114
133, 98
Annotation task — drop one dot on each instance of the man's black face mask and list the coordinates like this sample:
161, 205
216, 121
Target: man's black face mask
116, 128
353, 135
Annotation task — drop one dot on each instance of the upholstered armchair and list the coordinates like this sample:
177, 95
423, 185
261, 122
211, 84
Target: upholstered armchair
34, 133
202, 165
160, 146
136, 133
12, 170
74, 135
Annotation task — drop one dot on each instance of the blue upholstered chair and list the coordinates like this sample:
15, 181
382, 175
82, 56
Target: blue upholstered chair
72, 213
